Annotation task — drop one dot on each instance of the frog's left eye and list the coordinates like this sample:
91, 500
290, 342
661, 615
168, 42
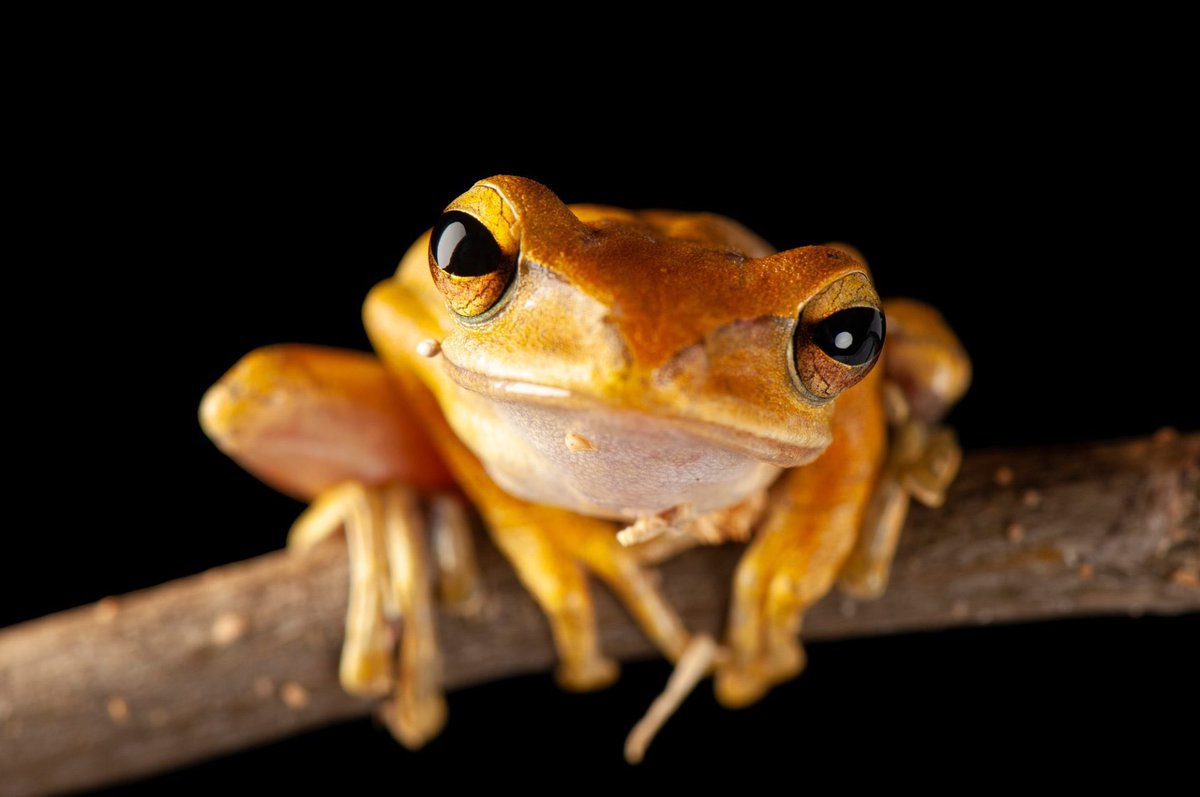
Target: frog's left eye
469, 264
839, 336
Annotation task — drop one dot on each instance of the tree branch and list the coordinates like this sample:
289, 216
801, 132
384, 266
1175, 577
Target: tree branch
248, 653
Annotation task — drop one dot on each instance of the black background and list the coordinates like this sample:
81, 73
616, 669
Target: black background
180, 224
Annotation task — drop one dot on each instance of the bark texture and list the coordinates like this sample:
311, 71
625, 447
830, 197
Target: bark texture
248, 653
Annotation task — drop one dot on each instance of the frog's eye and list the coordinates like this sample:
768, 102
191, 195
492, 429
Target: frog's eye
853, 336
469, 265
839, 337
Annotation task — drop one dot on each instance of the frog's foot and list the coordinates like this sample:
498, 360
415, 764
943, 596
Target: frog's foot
922, 462
552, 550
389, 583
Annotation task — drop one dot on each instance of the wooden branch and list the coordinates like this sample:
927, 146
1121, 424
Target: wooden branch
248, 653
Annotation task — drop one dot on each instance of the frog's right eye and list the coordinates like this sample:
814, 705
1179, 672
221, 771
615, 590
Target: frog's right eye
470, 266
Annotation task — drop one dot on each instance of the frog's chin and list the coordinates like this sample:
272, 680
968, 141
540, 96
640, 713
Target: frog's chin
549, 446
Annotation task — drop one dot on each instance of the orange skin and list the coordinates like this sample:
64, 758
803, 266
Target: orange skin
631, 369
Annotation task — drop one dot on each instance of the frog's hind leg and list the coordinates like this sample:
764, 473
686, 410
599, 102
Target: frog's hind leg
328, 426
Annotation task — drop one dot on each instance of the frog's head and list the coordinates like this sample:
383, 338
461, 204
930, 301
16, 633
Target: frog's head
672, 349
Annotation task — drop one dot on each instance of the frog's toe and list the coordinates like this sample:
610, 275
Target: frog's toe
785, 660
414, 723
744, 679
460, 588
595, 673
417, 710
366, 668
390, 580
928, 477
739, 685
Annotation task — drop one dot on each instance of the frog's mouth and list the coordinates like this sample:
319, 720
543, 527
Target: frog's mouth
587, 412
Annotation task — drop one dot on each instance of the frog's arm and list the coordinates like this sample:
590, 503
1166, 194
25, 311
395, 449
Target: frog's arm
815, 515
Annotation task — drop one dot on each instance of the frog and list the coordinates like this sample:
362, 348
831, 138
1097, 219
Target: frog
606, 388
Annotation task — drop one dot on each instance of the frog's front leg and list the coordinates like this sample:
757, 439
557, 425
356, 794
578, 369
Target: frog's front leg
328, 426
810, 529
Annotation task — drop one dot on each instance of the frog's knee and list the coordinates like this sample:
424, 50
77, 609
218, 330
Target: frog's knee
236, 402
306, 418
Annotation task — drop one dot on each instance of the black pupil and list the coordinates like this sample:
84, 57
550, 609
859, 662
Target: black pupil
462, 246
853, 336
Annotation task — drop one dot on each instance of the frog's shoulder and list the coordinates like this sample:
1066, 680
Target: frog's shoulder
711, 229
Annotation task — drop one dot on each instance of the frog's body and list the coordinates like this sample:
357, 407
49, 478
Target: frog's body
583, 369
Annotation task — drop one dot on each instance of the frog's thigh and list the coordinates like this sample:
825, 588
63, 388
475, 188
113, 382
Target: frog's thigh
795, 559
306, 418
